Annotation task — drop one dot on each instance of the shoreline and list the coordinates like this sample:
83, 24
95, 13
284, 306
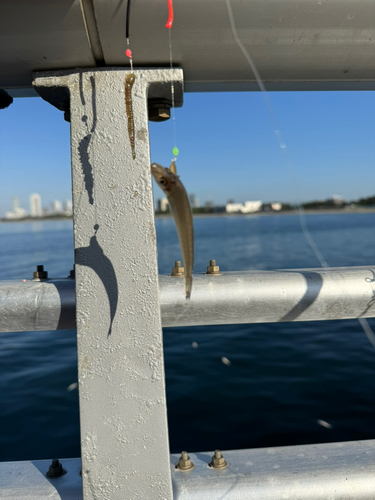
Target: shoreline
215, 214
269, 214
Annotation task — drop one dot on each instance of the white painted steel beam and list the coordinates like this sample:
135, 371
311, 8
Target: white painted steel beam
296, 45
246, 297
119, 336
341, 471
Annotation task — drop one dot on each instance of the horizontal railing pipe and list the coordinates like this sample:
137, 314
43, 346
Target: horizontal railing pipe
37, 305
240, 297
343, 471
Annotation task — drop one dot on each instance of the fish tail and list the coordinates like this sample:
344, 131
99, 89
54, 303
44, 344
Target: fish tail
188, 286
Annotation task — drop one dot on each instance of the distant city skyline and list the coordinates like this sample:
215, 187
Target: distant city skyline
227, 148
36, 209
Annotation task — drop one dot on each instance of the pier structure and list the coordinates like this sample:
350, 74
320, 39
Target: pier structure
73, 57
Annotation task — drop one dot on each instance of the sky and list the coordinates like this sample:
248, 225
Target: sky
228, 148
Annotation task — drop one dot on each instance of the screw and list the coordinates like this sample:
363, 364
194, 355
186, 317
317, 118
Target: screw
40, 273
55, 469
218, 461
184, 462
178, 270
159, 110
213, 268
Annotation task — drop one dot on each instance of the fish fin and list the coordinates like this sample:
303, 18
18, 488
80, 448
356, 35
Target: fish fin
173, 168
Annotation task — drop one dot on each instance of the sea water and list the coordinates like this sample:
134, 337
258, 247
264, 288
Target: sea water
280, 382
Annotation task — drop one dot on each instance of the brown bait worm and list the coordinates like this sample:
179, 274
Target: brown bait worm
130, 79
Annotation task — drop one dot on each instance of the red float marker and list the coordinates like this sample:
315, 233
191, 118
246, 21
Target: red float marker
128, 53
170, 14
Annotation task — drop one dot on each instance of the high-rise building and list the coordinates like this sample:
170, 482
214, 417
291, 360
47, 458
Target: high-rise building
35, 205
18, 212
163, 205
194, 202
68, 207
16, 204
57, 207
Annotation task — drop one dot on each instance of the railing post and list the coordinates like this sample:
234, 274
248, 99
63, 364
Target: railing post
124, 437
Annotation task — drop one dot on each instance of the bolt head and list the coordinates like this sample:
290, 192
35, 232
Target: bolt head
159, 114
178, 270
40, 274
213, 270
159, 109
184, 462
55, 469
218, 461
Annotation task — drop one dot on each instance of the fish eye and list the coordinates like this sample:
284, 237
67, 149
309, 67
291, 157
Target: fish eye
163, 181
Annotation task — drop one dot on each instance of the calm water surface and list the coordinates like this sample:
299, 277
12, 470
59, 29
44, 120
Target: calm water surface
282, 378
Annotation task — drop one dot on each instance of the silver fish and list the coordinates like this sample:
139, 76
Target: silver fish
168, 180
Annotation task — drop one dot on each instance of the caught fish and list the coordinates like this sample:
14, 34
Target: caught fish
168, 180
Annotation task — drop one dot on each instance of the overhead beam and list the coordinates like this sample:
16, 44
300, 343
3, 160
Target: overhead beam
309, 45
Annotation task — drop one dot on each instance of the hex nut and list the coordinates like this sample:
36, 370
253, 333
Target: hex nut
40, 274
55, 469
184, 463
213, 268
159, 114
218, 461
159, 110
178, 270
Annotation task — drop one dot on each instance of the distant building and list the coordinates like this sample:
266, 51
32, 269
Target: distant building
194, 202
57, 207
163, 205
276, 206
232, 208
18, 212
338, 200
68, 207
248, 207
16, 204
35, 205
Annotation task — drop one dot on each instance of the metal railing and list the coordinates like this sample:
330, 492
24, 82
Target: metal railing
241, 297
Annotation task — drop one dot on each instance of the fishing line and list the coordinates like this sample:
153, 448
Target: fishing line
169, 25
127, 20
128, 51
318, 254
310, 240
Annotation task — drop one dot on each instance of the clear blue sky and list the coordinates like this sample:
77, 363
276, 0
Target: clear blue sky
227, 147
